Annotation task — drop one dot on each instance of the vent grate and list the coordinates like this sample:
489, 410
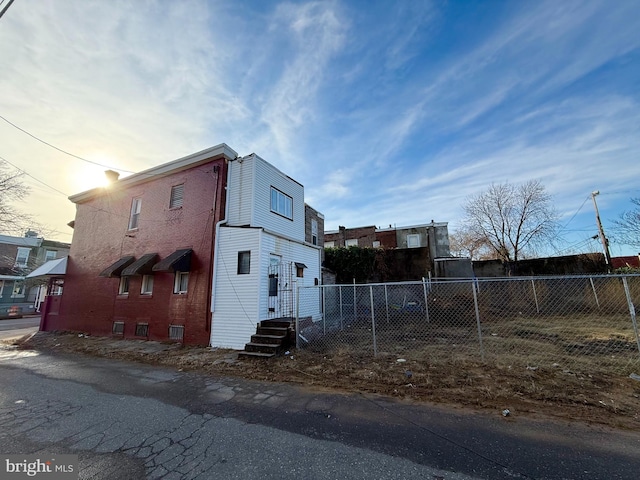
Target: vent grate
176, 332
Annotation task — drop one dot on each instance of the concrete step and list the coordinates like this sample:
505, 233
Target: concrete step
255, 355
262, 347
277, 323
272, 339
272, 331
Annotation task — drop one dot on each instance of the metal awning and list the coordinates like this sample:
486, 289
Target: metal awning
142, 266
178, 261
53, 268
116, 269
300, 265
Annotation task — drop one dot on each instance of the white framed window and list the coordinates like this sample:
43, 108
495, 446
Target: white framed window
177, 196
329, 244
50, 255
147, 285
18, 289
22, 256
314, 231
123, 287
351, 242
376, 244
281, 203
413, 240
136, 205
1, 287
181, 282
244, 263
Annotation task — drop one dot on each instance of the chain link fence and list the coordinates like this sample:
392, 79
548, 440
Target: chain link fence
584, 323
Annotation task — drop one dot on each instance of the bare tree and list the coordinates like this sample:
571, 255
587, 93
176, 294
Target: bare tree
12, 221
627, 228
512, 219
464, 243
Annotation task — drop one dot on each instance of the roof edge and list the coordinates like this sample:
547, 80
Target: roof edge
222, 150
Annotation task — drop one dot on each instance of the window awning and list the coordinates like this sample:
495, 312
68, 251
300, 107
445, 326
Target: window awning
116, 269
142, 266
53, 268
300, 265
178, 261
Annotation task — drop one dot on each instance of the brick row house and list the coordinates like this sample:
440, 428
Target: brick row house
18, 257
196, 250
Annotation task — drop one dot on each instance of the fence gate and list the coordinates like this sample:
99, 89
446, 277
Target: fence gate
281, 288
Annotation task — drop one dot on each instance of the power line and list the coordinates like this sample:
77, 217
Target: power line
29, 175
63, 151
3, 11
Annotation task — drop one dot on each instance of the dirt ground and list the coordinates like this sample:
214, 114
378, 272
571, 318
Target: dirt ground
563, 394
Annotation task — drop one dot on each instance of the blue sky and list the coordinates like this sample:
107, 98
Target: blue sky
387, 112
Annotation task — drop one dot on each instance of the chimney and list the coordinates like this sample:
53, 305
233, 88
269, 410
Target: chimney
112, 176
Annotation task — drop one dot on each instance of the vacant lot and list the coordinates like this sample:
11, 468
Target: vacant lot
550, 390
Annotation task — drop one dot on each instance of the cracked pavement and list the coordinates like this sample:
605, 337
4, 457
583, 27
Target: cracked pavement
134, 421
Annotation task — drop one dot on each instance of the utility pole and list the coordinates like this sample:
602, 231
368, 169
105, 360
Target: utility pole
603, 239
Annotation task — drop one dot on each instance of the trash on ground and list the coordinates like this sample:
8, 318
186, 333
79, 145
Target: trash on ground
401, 360
506, 412
635, 376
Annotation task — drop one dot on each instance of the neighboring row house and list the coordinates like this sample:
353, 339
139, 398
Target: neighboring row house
18, 257
434, 235
197, 250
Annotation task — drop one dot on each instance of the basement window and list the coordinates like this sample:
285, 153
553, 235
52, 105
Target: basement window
142, 329
176, 332
117, 328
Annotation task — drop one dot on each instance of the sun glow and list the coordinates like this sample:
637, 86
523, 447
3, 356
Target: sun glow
89, 176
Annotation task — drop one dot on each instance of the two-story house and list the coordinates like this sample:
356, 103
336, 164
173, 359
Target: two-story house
18, 257
196, 250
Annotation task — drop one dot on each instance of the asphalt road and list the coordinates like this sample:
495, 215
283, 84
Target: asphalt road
19, 323
130, 421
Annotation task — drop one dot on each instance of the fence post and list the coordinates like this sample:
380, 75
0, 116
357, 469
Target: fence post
386, 302
324, 307
355, 311
373, 322
341, 314
632, 310
535, 295
475, 303
595, 294
426, 299
298, 319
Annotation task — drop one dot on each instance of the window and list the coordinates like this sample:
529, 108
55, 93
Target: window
300, 272
117, 328
1, 287
281, 203
136, 204
18, 289
351, 242
314, 232
329, 244
181, 282
413, 240
376, 244
176, 332
22, 257
123, 288
50, 255
142, 329
177, 196
244, 263
147, 285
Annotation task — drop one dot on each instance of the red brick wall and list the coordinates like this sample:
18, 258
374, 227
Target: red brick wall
90, 303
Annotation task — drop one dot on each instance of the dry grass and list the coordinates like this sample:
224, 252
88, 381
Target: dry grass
572, 394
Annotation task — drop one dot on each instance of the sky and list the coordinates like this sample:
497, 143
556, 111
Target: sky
389, 113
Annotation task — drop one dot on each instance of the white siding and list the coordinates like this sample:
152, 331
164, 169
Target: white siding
241, 301
236, 296
267, 176
241, 191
